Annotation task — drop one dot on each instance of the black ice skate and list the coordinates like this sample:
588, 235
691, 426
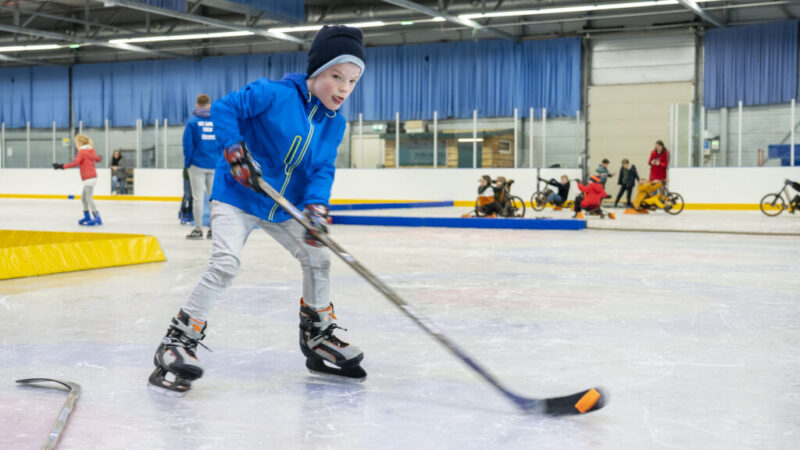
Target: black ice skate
325, 353
175, 359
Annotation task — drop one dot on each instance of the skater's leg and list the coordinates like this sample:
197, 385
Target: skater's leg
176, 354
85, 196
314, 261
317, 341
232, 227
88, 191
196, 178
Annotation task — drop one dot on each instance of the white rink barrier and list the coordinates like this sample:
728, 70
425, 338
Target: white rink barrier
713, 188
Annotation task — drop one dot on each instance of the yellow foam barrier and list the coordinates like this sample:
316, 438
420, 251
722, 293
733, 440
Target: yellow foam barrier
30, 253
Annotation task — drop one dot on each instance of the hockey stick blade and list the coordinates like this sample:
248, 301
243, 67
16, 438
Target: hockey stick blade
569, 405
73, 393
580, 403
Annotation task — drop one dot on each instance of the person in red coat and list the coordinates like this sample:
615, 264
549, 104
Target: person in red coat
590, 198
659, 161
85, 160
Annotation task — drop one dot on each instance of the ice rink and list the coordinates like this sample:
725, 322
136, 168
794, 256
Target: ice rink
694, 336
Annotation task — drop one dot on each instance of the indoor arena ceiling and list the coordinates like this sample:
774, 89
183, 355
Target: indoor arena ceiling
67, 32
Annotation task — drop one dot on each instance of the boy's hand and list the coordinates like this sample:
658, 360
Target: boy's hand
243, 167
58, 166
317, 214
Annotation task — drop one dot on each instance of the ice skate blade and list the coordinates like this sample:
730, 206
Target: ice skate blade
337, 378
166, 392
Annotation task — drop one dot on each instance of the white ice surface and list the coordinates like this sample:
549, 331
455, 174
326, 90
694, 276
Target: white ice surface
694, 336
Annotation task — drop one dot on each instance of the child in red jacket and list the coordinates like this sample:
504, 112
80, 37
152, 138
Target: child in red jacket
85, 159
590, 198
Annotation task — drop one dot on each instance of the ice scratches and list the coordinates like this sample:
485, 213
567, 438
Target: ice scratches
5, 304
89, 365
654, 429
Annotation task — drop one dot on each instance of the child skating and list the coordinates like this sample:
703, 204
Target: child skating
287, 132
85, 159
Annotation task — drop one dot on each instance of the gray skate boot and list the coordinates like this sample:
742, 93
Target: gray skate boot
325, 353
176, 356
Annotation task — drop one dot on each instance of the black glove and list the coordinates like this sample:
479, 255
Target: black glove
58, 166
317, 214
787, 181
243, 167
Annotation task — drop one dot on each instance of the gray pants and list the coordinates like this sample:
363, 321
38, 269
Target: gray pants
87, 197
232, 226
201, 181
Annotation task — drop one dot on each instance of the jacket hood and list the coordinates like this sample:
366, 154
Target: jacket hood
205, 113
299, 80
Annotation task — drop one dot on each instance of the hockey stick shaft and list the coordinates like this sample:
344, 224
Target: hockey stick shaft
73, 393
423, 322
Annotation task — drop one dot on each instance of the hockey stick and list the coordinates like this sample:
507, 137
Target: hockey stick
73, 393
579, 403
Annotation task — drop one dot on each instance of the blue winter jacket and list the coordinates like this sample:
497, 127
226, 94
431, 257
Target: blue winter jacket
290, 133
200, 148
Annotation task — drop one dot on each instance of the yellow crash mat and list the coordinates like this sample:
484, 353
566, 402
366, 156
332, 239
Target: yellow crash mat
30, 253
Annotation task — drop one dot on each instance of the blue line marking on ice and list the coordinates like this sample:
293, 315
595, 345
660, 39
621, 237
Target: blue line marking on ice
462, 222
353, 206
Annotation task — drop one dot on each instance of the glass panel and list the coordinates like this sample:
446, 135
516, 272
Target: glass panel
42, 148
175, 147
64, 147
16, 148
564, 142
148, 146
343, 152
371, 149
124, 140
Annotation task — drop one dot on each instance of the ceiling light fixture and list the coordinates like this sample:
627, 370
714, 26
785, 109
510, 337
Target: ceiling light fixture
29, 48
318, 27
182, 37
577, 8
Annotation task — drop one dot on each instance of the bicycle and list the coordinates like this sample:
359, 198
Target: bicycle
512, 206
774, 204
672, 201
539, 198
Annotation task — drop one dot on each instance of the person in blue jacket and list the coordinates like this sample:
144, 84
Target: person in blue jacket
287, 132
200, 154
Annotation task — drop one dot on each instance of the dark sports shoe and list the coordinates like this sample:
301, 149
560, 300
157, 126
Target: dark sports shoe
195, 234
208, 235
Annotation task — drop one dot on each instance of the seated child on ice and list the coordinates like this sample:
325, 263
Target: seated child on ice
648, 194
500, 191
558, 199
590, 198
486, 193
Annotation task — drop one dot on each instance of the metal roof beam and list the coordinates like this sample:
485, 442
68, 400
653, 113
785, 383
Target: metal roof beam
451, 18
71, 20
204, 20
84, 40
692, 6
26, 61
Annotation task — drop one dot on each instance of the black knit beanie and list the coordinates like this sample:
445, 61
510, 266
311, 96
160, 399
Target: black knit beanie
335, 45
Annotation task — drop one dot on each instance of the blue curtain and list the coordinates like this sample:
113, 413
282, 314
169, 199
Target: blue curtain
39, 95
756, 64
493, 77
175, 5
292, 9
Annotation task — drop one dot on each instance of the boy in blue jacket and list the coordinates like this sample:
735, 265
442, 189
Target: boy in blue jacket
287, 132
200, 154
